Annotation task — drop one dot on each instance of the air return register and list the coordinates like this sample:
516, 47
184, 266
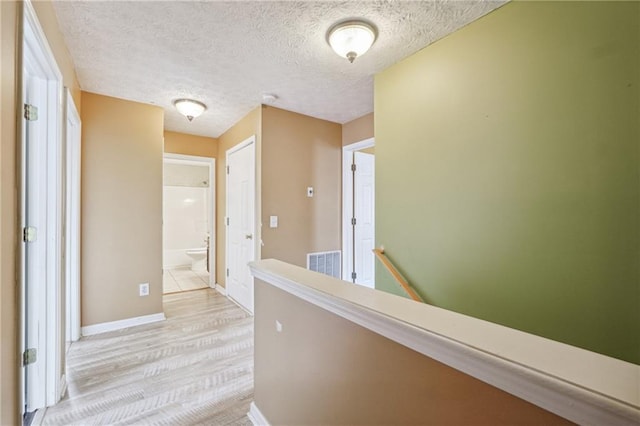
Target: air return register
326, 262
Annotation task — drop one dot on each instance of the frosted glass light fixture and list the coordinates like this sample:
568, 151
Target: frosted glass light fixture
189, 108
351, 39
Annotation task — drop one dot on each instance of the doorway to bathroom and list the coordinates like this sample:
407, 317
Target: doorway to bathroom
188, 223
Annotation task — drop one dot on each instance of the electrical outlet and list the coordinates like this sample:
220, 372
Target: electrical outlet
278, 326
144, 289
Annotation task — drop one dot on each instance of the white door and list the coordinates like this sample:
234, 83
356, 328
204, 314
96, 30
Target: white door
241, 220
41, 219
35, 244
364, 212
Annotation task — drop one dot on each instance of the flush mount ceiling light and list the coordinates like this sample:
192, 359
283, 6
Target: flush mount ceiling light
189, 108
351, 39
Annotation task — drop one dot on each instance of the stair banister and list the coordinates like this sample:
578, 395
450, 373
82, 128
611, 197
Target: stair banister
379, 252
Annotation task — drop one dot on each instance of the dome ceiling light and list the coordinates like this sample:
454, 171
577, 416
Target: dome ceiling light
351, 39
189, 108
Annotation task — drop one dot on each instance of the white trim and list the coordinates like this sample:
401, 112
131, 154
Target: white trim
239, 305
357, 146
63, 386
90, 330
256, 416
220, 289
561, 395
38, 417
172, 158
44, 292
72, 217
248, 141
347, 203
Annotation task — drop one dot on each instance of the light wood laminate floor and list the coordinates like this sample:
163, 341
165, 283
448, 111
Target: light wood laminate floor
194, 368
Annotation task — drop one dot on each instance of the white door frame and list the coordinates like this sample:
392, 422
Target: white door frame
347, 204
211, 204
73, 136
41, 310
256, 234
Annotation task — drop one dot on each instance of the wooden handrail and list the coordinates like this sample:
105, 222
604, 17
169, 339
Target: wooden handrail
379, 252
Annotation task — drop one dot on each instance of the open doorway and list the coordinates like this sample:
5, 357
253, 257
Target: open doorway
188, 234
358, 212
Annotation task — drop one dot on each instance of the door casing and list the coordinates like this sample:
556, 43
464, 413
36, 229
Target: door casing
249, 143
211, 208
41, 203
347, 204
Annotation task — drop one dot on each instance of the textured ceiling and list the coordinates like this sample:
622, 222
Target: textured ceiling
227, 54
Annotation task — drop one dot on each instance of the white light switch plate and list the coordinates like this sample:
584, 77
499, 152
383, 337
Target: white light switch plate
273, 221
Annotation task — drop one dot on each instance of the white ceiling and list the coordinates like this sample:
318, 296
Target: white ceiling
227, 54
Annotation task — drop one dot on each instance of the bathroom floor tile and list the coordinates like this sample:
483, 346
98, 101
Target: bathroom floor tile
184, 279
180, 273
169, 285
203, 277
194, 283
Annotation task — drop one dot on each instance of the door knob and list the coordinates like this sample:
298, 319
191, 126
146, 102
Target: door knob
249, 236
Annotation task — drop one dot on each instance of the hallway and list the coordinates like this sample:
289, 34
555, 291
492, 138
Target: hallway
194, 368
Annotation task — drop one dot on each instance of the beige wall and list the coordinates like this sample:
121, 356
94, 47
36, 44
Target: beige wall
182, 143
325, 370
9, 365
357, 130
300, 151
121, 208
248, 126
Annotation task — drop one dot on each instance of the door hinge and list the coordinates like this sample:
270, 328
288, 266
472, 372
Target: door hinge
353, 221
353, 276
227, 221
227, 271
29, 356
353, 167
29, 234
30, 112
227, 169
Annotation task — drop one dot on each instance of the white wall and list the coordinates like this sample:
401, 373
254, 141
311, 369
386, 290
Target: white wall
185, 223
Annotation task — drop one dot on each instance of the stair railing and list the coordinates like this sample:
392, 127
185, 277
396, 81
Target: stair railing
379, 252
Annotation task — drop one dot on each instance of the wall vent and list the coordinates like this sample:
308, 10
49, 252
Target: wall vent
326, 262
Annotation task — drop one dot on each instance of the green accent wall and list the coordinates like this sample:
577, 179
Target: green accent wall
508, 172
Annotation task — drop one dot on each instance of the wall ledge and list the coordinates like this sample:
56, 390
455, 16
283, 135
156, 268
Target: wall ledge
574, 383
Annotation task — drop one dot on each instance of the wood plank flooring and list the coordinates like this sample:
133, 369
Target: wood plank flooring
194, 368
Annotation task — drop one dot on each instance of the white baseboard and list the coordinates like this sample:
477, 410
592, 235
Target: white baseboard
117, 325
38, 417
256, 416
221, 290
63, 386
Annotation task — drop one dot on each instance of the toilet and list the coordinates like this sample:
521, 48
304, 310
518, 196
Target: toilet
198, 259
